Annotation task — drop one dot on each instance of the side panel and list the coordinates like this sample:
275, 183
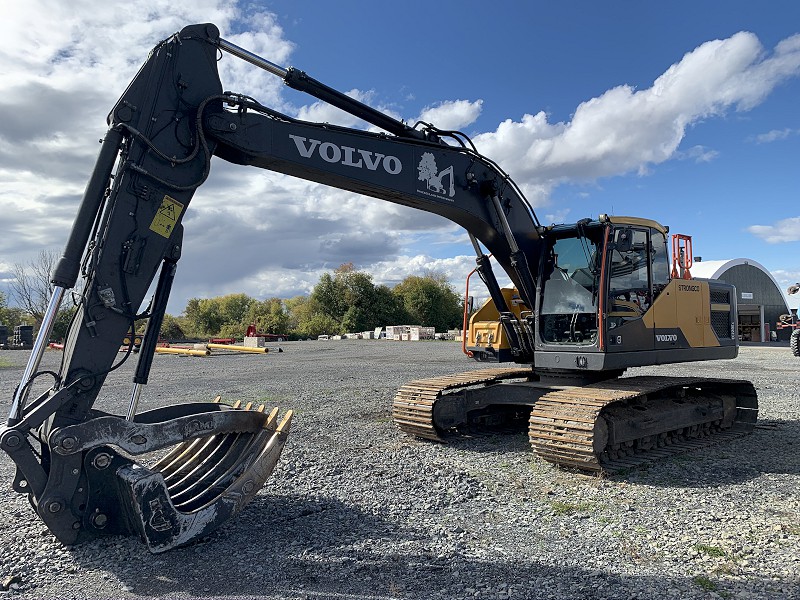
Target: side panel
680, 316
684, 315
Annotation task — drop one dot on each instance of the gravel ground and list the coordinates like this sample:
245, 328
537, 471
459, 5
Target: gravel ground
357, 510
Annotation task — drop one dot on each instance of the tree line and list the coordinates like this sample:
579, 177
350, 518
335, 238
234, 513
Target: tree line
343, 301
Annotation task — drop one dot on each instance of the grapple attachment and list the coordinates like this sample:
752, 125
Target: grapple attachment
220, 457
202, 482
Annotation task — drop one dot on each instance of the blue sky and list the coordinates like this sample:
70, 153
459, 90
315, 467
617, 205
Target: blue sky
660, 110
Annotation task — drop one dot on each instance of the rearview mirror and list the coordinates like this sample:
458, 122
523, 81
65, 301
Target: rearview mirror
625, 240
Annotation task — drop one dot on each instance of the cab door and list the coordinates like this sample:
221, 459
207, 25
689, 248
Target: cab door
629, 289
665, 315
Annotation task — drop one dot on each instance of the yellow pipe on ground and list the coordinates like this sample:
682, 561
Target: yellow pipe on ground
186, 351
237, 348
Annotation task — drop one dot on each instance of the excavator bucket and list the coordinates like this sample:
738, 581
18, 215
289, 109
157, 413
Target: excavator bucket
218, 458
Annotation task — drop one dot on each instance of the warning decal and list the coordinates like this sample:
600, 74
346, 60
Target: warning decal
167, 216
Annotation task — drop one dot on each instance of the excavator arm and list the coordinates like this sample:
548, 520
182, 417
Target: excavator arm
76, 462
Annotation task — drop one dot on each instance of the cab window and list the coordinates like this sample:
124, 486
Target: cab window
661, 276
629, 274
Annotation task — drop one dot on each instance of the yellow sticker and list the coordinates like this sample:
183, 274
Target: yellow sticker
167, 216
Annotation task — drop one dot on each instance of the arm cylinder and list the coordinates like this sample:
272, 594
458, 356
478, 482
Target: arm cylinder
253, 59
300, 81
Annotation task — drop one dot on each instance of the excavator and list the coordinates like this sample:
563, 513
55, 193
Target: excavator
589, 301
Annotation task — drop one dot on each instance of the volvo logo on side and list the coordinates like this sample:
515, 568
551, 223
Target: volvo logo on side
347, 155
671, 337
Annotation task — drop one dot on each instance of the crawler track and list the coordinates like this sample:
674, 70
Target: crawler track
571, 427
412, 409
602, 427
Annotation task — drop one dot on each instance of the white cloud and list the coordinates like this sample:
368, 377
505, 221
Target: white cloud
785, 230
555, 217
625, 130
456, 268
774, 135
785, 278
698, 154
452, 115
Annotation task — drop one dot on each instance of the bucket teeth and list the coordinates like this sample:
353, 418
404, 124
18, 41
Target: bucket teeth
203, 482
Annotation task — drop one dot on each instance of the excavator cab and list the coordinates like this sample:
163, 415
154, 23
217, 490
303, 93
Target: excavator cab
606, 301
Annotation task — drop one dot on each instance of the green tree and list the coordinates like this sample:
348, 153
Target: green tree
350, 299
307, 320
172, 328
430, 301
61, 324
14, 315
298, 310
354, 319
223, 315
388, 308
233, 308
202, 317
4, 313
269, 316
328, 298
317, 324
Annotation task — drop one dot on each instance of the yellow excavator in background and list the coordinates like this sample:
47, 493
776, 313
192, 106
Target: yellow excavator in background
591, 299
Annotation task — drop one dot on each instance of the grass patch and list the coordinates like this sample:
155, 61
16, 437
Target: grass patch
704, 582
710, 550
5, 363
570, 508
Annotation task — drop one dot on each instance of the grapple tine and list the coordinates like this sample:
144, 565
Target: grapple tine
218, 476
202, 471
286, 422
189, 469
176, 457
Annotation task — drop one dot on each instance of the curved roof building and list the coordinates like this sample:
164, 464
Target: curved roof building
759, 296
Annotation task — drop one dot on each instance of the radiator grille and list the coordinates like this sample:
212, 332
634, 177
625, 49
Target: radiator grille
720, 296
721, 323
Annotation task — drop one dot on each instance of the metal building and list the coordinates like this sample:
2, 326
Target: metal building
760, 299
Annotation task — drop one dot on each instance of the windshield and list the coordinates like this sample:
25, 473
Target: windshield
570, 280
